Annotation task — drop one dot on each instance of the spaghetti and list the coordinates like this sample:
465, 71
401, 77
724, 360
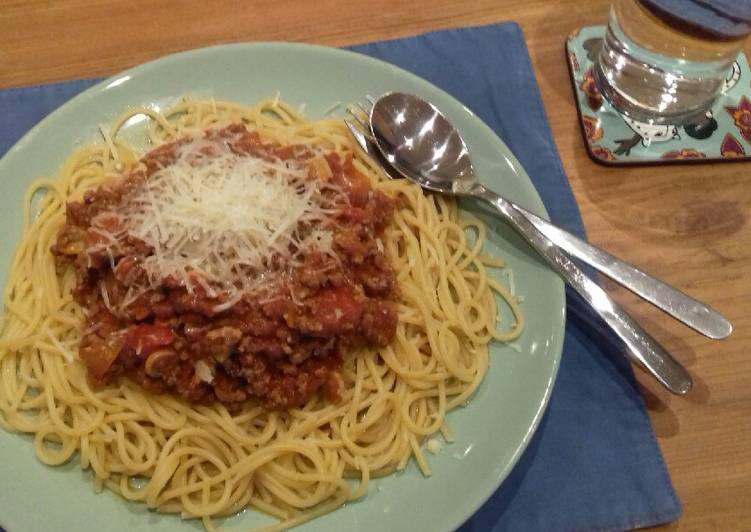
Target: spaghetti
205, 460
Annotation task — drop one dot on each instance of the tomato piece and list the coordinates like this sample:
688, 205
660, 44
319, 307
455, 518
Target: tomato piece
358, 189
335, 163
337, 309
144, 338
99, 355
353, 214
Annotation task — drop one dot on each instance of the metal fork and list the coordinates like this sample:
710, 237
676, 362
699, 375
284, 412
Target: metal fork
672, 301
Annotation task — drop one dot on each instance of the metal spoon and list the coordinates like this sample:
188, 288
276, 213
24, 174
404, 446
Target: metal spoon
418, 141
684, 308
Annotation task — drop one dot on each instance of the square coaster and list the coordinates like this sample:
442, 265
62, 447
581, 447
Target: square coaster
721, 134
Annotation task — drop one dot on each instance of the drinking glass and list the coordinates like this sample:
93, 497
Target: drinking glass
665, 61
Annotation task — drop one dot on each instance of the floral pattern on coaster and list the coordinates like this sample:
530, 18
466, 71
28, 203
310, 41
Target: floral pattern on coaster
722, 133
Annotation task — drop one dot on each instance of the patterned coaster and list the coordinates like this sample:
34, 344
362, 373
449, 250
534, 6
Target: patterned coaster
723, 133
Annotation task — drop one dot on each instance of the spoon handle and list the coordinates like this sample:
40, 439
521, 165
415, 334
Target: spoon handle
642, 348
679, 305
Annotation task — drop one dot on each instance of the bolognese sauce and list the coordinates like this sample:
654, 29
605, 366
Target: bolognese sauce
188, 288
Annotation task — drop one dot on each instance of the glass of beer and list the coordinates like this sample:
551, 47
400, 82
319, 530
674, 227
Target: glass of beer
666, 61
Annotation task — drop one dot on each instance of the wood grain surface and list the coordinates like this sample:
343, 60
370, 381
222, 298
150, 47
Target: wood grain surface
686, 224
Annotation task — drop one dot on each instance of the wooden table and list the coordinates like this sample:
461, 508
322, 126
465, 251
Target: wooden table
686, 224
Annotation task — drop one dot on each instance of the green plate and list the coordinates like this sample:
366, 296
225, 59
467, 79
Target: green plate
491, 432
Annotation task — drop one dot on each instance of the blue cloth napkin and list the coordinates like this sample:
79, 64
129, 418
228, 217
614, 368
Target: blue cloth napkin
594, 462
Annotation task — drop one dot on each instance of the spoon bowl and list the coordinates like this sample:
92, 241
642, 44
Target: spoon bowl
419, 141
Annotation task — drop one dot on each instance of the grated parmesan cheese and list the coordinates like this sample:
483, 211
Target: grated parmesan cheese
204, 371
515, 346
434, 446
511, 282
222, 220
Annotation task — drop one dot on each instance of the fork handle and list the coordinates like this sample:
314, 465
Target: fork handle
679, 305
642, 348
